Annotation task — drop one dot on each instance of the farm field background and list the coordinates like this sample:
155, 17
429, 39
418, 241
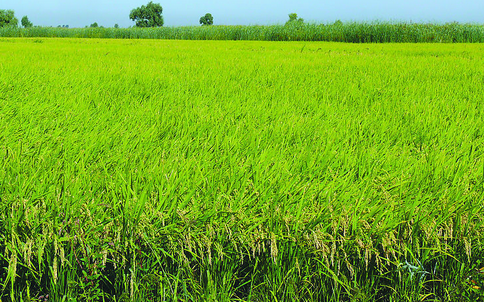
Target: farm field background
250, 171
354, 32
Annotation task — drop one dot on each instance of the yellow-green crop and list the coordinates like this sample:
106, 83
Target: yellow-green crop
249, 171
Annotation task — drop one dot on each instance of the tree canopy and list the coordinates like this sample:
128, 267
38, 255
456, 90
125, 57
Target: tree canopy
7, 18
293, 18
207, 19
26, 22
148, 15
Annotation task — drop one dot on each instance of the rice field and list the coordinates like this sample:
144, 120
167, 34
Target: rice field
163, 170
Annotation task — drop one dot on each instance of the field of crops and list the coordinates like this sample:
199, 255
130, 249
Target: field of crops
354, 32
161, 170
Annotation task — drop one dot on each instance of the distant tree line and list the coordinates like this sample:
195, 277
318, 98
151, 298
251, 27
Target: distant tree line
149, 15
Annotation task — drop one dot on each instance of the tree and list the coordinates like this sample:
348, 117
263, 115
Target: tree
26, 22
338, 23
7, 18
293, 18
207, 19
147, 16
116, 25
94, 25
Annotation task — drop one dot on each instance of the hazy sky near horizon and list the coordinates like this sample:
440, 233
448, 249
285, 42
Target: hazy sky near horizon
79, 13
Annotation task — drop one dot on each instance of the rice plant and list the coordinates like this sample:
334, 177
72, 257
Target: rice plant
161, 170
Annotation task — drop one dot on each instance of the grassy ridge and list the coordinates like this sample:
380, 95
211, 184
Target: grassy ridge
250, 171
355, 32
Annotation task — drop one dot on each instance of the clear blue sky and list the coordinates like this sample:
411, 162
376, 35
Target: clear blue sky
79, 13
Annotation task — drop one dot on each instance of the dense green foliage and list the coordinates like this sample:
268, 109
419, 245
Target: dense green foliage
207, 19
26, 22
294, 18
256, 171
149, 15
294, 31
7, 18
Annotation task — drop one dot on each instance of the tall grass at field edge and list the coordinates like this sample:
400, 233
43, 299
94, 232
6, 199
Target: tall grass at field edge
353, 32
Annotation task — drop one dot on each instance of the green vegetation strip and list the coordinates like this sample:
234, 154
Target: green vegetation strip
138, 170
355, 32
